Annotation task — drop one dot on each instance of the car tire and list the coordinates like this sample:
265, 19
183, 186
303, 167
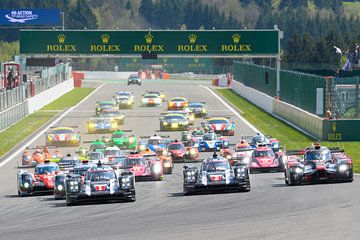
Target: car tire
248, 187
132, 198
70, 202
187, 191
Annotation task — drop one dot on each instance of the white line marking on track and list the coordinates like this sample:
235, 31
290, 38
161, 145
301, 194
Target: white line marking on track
46, 128
231, 109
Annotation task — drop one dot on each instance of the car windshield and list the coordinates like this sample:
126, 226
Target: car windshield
179, 117
102, 176
217, 166
264, 153
62, 131
117, 135
177, 146
113, 152
209, 137
123, 94
177, 100
121, 98
68, 161
151, 96
107, 105
153, 92
135, 161
100, 120
318, 155
46, 169
218, 121
195, 105
156, 141
80, 171
95, 156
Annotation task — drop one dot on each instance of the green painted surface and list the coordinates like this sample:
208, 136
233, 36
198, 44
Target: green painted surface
95, 42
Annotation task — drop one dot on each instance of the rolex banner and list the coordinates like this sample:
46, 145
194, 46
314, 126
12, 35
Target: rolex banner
196, 43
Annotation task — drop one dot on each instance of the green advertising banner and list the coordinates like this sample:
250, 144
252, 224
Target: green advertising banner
342, 130
219, 43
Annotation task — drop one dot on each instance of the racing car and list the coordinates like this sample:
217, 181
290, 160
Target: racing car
220, 125
192, 137
198, 108
177, 103
151, 100
42, 181
159, 93
174, 122
186, 112
242, 153
102, 105
114, 115
181, 153
144, 168
101, 183
60, 178
215, 173
95, 156
101, 125
155, 142
39, 155
110, 153
97, 145
124, 100
264, 160
211, 142
122, 141
134, 79
62, 137
316, 164
68, 161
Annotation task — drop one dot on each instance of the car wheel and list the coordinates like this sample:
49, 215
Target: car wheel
131, 198
286, 179
70, 202
187, 191
248, 187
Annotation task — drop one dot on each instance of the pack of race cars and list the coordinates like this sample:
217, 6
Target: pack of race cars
107, 168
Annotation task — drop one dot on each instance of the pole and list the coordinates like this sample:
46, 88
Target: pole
63, 20
278, 62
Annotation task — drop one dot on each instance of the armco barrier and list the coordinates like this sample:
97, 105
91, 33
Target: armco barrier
13, 114
309, 123
258, 98
45, 97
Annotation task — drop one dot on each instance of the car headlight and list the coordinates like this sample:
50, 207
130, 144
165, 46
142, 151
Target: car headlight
131, 140
26, 185
60, 187
73, 137
128, 103
191, 118
49, 138
126, 179
228, 156
298, 170
190, 173
157, 168
113, 125
142, 148
91, 125
165, 123
203, 110
164, 153
343, 168
192, 152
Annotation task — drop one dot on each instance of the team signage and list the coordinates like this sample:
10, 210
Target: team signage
199, 43
49, 17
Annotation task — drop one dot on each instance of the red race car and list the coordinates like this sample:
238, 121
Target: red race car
242, 153
144, 167
263, 159
179, 152
42, 181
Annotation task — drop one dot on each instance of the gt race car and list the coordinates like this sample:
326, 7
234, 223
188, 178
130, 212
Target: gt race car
42, 181
102, 105
134, 79
185, 112
100, 184
124, 100
198, 108
101, 125
120, 139
220, 126
161, 94
174, 122
318, 164
177, 103
114, 115
215, 173
151, 100
62, 137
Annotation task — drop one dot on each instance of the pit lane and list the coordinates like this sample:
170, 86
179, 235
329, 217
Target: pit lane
270, 211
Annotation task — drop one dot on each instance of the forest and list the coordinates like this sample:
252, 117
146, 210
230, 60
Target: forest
311, 27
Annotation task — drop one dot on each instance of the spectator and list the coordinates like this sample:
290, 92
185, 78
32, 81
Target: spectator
10, 79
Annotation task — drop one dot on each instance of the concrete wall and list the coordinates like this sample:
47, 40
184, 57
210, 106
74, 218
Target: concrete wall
258, 98
92, 75
47, 96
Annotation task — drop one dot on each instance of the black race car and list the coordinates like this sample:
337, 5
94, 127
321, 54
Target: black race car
216, 174
134, 79
100, 183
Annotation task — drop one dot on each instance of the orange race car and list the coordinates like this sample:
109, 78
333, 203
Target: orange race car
39, 155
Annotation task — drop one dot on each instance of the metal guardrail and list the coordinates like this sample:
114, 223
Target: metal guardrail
13, 115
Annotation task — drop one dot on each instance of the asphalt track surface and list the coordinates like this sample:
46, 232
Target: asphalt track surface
270, 211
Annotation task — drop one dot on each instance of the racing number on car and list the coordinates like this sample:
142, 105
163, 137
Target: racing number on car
216, 178
100, 187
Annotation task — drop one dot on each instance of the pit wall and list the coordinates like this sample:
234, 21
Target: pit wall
96, 75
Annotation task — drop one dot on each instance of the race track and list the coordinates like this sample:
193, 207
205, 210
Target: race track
271, 210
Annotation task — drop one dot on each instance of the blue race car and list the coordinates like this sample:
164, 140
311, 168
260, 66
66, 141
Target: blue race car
100, 124
211, 142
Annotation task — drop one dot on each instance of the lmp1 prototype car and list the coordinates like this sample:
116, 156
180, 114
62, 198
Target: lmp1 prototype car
120, 139
101, 125
62, 137
318, 164
264, 160
198, 108
174, 122
212, 142
216, 174
151, 100
134, 79
40, 182
114, 115
144, 168
102, 105
177, 103
124, 100
100, 183
220, 125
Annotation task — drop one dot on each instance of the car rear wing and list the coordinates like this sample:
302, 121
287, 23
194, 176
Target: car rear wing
336, 150
295, 152
52, 127
41, 147
219, 116
147, 137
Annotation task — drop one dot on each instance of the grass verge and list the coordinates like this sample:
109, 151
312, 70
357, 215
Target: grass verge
19, 131
352, 8
289, 136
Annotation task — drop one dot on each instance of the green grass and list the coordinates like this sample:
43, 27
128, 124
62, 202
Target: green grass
19, 131
289, 137
352, 8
